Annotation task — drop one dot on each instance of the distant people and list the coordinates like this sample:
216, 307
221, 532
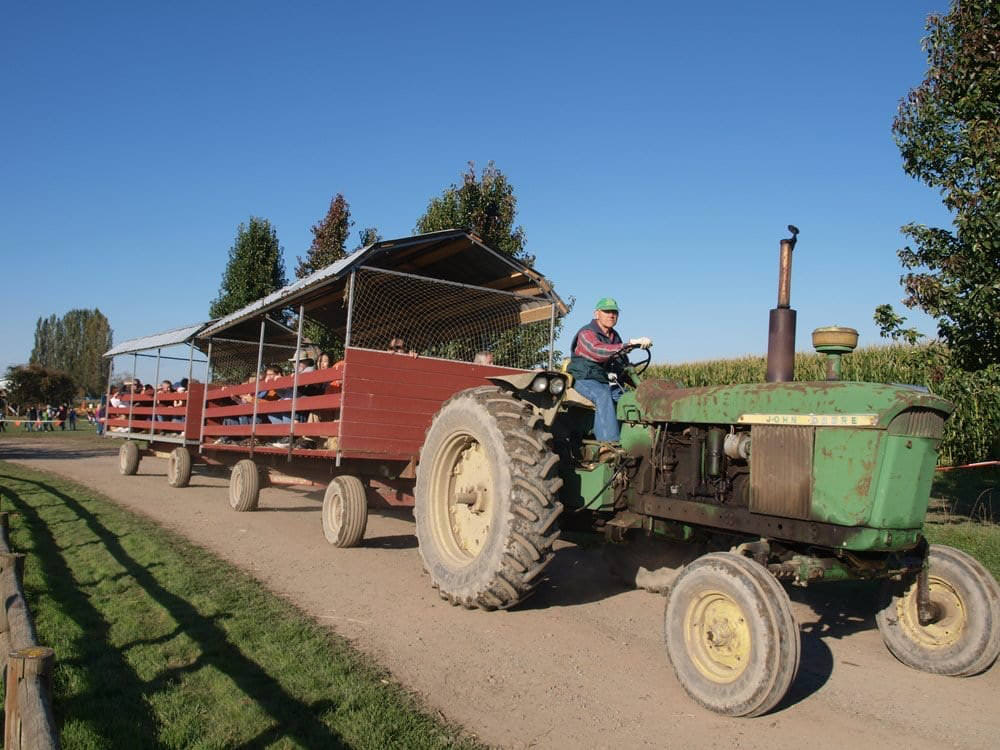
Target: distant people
72, 417
100, 414
62, 416
483, 358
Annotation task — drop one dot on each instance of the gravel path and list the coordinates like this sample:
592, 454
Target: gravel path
581, 664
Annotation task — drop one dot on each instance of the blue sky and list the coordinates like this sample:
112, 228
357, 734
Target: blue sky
658, 150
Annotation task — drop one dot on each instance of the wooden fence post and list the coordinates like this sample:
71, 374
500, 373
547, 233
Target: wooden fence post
4, 532
20, 627
28, 722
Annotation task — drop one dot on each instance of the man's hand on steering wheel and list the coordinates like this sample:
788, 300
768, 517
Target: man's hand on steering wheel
639, 367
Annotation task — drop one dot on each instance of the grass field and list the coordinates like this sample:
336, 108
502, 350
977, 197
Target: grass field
161, 644
965, 510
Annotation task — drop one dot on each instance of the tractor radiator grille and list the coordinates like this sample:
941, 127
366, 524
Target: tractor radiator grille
781, 470
918, 422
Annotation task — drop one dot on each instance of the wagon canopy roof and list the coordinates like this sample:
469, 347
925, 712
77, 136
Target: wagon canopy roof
449, 255
157, 340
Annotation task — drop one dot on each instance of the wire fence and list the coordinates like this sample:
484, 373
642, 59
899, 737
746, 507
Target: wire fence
434, 318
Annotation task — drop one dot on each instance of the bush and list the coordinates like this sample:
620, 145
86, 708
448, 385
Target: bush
971, 434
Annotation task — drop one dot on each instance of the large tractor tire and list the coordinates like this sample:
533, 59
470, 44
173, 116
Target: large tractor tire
244, 486
485, 499
128, 458
345, 511
179, 467
730, 635
964, 637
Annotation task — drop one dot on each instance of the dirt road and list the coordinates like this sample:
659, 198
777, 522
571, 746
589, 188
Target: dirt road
581, 664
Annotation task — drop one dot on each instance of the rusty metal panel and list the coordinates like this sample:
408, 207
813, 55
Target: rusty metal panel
781, 470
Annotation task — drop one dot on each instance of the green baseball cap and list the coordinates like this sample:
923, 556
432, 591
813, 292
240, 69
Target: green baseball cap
607, 304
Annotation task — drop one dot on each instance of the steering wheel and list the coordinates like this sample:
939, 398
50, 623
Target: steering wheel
637, 367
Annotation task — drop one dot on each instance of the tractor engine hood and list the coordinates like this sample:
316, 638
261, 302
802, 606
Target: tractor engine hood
806, 403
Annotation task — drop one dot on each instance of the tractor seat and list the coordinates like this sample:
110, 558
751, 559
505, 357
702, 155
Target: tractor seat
572, 395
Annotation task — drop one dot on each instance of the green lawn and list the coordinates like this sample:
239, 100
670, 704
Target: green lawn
161, 644
965, 511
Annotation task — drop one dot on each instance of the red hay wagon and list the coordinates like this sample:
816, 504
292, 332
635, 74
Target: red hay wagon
456, 312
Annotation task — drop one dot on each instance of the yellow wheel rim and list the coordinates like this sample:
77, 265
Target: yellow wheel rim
717, 636
948, 625
462, 497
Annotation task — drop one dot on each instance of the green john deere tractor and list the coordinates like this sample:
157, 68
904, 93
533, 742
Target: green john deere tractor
715, 497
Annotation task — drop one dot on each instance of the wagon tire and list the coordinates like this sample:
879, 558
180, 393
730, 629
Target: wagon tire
486, 505
128, 458
179, 467
730, 635
964, 638
345, 511
244, 486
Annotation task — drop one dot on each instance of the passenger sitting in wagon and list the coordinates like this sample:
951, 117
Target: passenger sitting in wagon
398, 346
165, 387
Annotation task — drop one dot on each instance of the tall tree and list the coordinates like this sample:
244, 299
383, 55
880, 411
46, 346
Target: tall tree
368, 236
255, 268
329, 238
75, 344
484, 205
948, 132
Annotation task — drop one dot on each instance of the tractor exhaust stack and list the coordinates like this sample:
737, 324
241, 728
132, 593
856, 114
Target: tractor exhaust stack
781, 325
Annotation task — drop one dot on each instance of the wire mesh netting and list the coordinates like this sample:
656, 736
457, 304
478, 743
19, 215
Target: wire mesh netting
434, 318
235, 362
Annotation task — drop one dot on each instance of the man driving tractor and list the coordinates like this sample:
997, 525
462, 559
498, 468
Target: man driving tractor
596, 366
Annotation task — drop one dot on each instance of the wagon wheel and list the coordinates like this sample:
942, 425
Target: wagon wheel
128, 458
485, 499
244, 486
179, 467
345, 511
963, 637
730, 635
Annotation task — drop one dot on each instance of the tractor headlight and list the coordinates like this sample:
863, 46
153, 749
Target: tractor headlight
557, 386
540, 384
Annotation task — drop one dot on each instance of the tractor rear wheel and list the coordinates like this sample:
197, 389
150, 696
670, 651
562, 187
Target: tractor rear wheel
345, 511
964, 637
128, 458
244, 486
730, 635
485, 499
179, 467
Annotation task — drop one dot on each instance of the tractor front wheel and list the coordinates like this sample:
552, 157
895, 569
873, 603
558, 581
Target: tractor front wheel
485, 499
730, 635
963, 636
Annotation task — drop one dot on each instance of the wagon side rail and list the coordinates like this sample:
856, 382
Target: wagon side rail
229, 419
168, 417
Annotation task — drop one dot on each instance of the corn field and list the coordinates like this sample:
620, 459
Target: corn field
971, 434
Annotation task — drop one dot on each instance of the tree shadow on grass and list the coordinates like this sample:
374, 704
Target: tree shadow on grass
112, 703
296, 719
